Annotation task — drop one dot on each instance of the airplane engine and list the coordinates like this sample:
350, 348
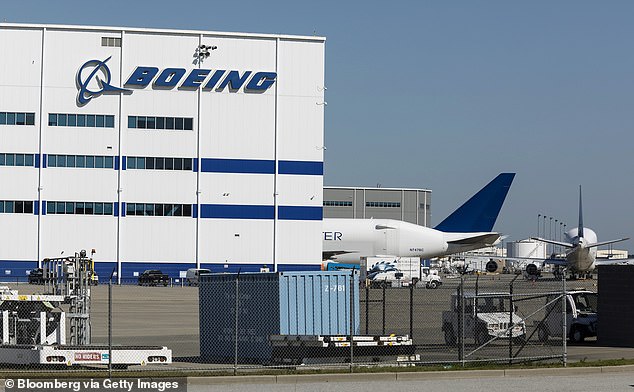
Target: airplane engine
532, 270
492, 266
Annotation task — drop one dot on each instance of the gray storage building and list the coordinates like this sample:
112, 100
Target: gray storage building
406, 204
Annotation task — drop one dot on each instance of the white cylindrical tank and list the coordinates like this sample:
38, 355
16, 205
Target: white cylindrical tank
526, 248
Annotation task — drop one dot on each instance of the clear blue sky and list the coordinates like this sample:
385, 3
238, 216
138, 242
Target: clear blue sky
446, 94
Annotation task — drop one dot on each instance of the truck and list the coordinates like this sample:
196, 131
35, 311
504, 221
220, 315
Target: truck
397, 271
485, 316
429, 278
581, 316
153, 278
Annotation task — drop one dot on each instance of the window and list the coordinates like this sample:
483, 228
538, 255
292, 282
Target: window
383, 204
9, 159
78, 120
156, 209
16, 207
111, 42
169, 123
19, 118
77, 208
159, 163
81, 161
330, 203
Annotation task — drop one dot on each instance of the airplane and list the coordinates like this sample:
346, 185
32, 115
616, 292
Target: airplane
581, 244
467, 228
581, 254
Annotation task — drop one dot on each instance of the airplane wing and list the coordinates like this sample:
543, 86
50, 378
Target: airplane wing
607, 242
615, 262
329, 254
564, 244
488, 238
556, 261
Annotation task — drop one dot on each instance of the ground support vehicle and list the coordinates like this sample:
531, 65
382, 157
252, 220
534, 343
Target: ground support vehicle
581, 316
430, 278
298, 349
33, 328
153, 278
485, 316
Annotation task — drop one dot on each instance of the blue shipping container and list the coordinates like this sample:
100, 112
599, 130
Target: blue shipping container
282, 303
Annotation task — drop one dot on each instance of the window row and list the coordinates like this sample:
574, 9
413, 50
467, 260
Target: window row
7, 118
16, 207
159, 163
177, 123
89, 161
79, 208
383, 204
330, 203
155, 209
81, 120
16, 159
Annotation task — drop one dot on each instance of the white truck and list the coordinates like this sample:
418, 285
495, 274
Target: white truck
486, 316
393, 271
581, 316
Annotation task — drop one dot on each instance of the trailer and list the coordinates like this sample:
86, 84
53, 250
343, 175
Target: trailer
33, 328
297, 349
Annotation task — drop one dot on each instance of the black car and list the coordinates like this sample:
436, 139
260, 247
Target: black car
153, 278
36, 276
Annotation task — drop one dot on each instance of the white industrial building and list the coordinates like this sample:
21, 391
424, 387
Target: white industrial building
160, 148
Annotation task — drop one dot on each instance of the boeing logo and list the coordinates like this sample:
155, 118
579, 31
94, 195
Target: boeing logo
88, 90
90, 85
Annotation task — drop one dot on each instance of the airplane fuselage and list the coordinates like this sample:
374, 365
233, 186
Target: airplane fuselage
357, 238
581, 258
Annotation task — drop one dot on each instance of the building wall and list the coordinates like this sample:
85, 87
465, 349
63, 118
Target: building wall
409, 205
252, 193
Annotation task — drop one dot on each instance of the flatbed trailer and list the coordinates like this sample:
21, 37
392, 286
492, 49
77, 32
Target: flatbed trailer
298, 348
92, 355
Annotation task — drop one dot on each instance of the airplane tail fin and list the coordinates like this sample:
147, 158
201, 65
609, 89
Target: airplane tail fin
479, 213
580, 227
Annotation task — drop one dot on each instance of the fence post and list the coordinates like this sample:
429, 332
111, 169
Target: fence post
110, 324
367, 308
383, 309
411, 311
461, 320
564, 326
352, 320
235, 352
511, 324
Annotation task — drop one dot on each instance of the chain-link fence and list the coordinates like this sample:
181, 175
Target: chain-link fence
238, 322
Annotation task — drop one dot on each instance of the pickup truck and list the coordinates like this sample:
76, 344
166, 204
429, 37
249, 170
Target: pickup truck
153, 278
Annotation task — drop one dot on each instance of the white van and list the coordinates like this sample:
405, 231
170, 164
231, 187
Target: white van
192, 275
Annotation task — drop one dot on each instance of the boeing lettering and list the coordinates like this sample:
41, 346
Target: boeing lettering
171, 77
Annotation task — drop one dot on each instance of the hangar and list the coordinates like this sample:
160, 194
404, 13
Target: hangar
167, 148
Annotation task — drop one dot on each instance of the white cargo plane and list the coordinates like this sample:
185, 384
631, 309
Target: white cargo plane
581, 244
467, 228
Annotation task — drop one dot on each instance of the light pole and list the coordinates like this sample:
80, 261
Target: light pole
538, 217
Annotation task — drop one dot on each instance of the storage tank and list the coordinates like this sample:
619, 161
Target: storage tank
526, 248
282, 303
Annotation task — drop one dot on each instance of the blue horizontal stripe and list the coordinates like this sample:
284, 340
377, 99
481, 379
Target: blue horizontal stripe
254, 166
231, 211
15, 270
253, 267
301, 167
300, 213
